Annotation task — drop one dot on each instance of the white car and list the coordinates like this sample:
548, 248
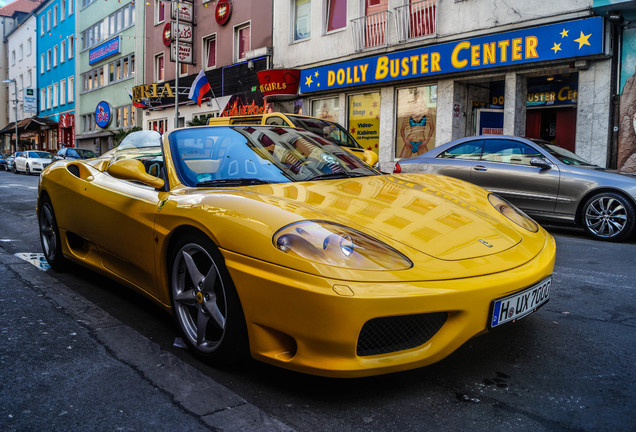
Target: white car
30, 162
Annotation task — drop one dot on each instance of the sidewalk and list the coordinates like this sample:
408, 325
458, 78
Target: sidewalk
65, 364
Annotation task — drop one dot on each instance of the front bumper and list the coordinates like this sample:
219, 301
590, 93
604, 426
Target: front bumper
313, 324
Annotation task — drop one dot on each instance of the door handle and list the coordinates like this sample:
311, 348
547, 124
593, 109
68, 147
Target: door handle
480, 168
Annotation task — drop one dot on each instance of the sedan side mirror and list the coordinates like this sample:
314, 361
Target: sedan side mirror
134, 170
541, 163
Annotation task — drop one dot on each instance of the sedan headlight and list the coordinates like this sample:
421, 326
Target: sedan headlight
513, 213
339, 246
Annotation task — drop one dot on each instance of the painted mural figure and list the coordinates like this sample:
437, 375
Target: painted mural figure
627, 130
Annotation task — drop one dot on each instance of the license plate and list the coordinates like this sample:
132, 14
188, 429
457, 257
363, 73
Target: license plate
518, 305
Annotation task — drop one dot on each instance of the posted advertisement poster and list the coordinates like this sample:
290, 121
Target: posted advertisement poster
364, 119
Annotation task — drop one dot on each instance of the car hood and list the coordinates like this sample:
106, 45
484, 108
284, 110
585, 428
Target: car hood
444, 218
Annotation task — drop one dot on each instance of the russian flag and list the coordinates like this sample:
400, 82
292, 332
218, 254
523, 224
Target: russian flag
200, 86
139, 104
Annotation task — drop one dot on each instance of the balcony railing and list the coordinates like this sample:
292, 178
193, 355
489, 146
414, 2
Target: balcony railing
416, 20
371, 31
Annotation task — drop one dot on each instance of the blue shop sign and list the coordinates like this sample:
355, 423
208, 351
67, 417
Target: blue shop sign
104, 51
103, 114
565, 40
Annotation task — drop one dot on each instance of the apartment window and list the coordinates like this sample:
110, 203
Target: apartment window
302, 19
29, 79
56, 94
13, 58
63, 10
48, 20
55, 53
109, 26
55, 15
336, 14
28, 47
71, 47
21, 83
159, 68
183, 69
71, 89
62, 92
42, 25
42, 99
48, 60
84, 2
88, 122
49, 97
71, 7
42, 63
242, 42
62, 51
209, 52
21, 52
160, 11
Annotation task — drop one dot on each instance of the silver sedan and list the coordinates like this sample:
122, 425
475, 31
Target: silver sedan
546, 181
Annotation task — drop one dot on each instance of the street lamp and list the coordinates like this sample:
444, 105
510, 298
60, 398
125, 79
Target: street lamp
15, 88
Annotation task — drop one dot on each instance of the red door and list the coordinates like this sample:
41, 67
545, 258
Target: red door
533, 123
566, 128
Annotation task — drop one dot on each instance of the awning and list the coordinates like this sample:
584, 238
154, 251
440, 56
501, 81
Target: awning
32, 124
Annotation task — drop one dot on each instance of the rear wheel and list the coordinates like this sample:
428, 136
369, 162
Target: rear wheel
50, 236
206, 306
609, 216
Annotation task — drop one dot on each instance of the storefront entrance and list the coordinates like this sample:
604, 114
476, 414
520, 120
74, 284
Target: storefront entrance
556, 125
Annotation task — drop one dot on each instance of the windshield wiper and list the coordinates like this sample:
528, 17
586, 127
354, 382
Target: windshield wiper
329, 176
232, 182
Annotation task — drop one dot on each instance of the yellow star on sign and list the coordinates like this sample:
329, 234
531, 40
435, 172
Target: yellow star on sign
564, 33
316, 74
556, 47
308, 81
583, 40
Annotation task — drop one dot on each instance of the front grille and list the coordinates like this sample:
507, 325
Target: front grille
391, 334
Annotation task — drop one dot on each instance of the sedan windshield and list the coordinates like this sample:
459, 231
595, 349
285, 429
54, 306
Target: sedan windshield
565, 156
247, 155
41, 155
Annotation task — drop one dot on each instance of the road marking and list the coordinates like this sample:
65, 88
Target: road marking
13, 186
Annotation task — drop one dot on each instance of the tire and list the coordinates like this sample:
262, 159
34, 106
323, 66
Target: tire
205, 303
50, 236
27, 170
14, 169
609, 216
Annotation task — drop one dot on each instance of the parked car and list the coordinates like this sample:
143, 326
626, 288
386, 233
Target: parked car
10, 160
542, 179
75, 153
274, 241
3, 161
31, 161
325, 128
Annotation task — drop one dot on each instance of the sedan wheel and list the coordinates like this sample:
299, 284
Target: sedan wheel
14, 169
28, 170
205, 302
609, 216
50, 236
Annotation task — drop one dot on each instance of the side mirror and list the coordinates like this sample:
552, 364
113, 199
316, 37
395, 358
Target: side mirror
133, 169
540, 163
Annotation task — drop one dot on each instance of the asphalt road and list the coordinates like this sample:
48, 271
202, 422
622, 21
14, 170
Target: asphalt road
568, 367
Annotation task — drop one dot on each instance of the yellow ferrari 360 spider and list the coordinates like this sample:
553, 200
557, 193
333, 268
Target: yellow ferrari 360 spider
277, 241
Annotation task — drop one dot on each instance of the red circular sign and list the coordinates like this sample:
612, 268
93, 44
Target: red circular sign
167, 35
223, 12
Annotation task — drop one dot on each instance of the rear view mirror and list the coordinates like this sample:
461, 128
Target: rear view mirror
540, 163
133, 169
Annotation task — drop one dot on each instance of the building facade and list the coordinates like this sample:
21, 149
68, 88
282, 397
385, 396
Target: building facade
56, 71
109, 51
229, 41
406, 76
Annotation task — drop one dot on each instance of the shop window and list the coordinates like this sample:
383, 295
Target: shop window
302, 19
326, 109
364, 119
416, 118
336, 14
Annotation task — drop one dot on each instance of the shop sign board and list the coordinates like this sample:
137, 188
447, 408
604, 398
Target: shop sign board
185, 10
185, 53
30, 101
103, 51
185, 32
103, 114
566, 40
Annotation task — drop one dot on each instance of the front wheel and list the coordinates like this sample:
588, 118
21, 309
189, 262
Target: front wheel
206, 306
50, 236
14, 169
28, 170
609, 216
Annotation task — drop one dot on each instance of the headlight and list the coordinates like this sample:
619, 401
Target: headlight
513, 213
339, 246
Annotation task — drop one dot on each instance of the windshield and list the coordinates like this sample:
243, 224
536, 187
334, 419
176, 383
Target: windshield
41, 155
565, 156
330, 130
244, 155
82, 153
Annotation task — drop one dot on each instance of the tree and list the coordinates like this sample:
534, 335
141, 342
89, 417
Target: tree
201, 120
119, 134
